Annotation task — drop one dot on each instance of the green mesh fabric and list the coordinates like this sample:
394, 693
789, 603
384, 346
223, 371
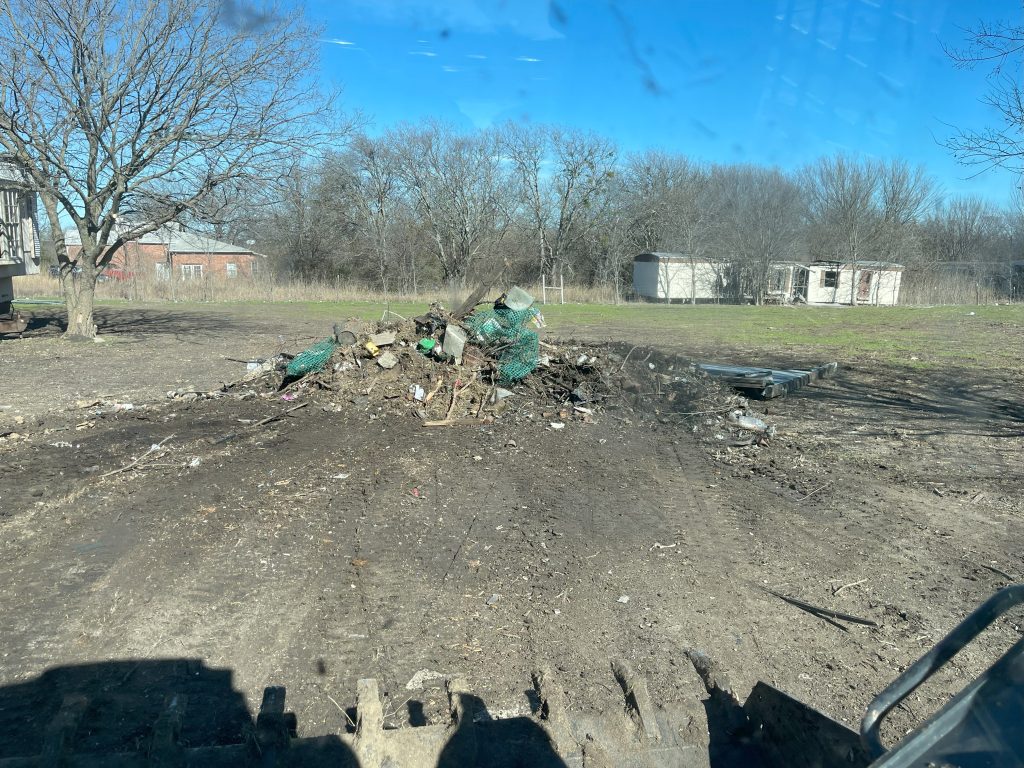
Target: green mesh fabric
312, 359
502, 332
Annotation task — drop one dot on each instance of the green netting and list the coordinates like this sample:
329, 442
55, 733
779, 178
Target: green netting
502, 331
312, 359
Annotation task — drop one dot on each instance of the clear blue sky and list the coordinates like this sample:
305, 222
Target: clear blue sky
767, 81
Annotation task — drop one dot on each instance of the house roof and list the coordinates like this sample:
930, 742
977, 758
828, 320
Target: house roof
177, 241
665, 256
11, 173
860, 264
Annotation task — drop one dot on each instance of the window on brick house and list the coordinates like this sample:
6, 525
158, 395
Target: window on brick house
830, 278
231, 270
163, 271
191, 271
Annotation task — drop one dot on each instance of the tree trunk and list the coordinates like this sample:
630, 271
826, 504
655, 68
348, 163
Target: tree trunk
80, 296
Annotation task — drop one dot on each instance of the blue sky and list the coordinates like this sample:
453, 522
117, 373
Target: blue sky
776, 82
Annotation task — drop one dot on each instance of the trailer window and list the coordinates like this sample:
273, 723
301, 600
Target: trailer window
830, 278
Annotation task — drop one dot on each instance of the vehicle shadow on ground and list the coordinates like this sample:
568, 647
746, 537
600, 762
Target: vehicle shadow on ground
181, 712
946, 407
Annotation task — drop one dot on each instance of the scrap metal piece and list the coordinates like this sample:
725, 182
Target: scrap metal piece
766, 383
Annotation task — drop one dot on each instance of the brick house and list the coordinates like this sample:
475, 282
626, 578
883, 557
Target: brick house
171, 252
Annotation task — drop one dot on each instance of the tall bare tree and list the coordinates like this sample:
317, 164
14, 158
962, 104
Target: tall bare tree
665, 195
377, 197
129, 114
459, 189
563, 178
860, 209
759, 223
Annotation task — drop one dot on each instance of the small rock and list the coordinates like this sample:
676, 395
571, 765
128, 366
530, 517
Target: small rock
623, 599
492, 599
387, 361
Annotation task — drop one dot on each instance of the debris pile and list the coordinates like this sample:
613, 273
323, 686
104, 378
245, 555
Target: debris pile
445, 367
485, 362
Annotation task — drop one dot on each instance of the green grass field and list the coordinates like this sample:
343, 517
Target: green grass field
938, 337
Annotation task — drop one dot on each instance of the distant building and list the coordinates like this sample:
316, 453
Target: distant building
171, 252
671, 277
19, 234
675, 277
824, 283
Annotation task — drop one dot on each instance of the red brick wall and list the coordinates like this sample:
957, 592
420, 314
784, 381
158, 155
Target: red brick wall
214, 264
133, 257
142, 258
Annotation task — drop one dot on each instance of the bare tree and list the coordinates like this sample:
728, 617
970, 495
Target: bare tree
665, 197
563, 178
1000, 47
961, 231
459, 190
862, 209
129, 114
906, 193
376, 186
315, 223
759, 223
668, 209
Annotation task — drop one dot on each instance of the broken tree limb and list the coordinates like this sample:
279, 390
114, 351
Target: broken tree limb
152, 449
626, 359
845, 586
435, 390
819, 611
467, 421
281, 415
456, 391
256, 425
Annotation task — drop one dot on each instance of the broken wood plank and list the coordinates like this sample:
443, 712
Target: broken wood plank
478, 293
467, 421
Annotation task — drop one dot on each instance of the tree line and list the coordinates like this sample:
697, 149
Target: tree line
124, 116
421, 206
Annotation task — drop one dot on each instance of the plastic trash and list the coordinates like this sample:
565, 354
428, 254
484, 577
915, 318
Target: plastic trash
750, 423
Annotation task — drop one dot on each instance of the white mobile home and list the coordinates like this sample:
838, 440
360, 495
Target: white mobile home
865, 282
826, 282
676, 277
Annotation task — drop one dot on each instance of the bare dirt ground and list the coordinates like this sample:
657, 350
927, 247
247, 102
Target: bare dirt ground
335, 544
